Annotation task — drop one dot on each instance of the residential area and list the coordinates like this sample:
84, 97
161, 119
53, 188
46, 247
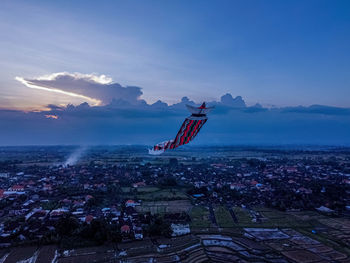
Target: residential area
117, 204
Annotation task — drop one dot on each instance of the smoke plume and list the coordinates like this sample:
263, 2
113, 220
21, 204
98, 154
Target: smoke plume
75, 156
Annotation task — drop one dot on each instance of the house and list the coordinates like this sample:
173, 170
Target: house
138, 184
138, 234
125, 229
88, 197
253, 182
78, 211
16, 188
37, 214
180, 229
291, 169
130, 212
89, 218
66, 202
131, 203
236, 186
78, 203
28, 203
47, 187
4, 175
106, 210
325, 210
304, 190
57, 213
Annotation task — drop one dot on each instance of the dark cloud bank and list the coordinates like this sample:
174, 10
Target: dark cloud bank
126, 119
123, 123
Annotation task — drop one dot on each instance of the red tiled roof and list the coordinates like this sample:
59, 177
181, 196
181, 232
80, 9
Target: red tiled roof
125, 228
89, 218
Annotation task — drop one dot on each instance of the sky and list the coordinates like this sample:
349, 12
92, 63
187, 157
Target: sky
121, 57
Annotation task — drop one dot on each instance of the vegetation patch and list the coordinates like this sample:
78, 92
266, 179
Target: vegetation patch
160, 207
199, 217
223, 217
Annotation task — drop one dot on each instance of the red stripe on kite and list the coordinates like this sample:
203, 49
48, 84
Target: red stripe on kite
186, 131
193, 131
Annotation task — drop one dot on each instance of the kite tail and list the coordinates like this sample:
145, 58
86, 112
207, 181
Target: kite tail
160, 147
189, 129
154, 152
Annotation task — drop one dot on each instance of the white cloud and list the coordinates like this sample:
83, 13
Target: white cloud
93, 88
28, 84
102, 79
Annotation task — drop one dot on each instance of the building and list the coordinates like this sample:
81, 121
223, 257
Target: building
131, 203
16, 188
125, 229
180, 229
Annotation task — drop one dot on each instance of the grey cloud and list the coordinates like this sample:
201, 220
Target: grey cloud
121, 122
125, 118
318, 109
237, 102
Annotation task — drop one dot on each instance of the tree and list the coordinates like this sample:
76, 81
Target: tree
159, 227
66, 225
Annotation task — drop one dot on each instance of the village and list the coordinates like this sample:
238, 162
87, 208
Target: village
112, 198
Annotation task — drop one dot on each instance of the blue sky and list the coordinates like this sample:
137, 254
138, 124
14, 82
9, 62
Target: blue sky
283, 53
122, 57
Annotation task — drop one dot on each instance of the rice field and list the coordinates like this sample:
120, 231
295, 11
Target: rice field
172, 206
223, 217
200, 217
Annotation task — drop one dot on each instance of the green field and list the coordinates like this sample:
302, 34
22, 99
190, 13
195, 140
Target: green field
271, 218
162, 194
172, 206
126, 189
199, 217
243, 216
223, 217
147, 189
275, 218
153, 193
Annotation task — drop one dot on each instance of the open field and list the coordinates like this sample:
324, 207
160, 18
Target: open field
147, 189
223, 217
243, 216
153, 193
162, 194
172, 206
270, 218
200, 217
143, 189
21, 254
297, 244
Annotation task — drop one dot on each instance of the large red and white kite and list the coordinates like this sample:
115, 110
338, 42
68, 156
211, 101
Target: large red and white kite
189, 129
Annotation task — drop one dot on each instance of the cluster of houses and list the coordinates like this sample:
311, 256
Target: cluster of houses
306, 184
33, 198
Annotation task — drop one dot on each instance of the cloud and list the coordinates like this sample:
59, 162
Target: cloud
125, 123
95, 89
113, 114
228, 100
51, 116
31, 84
318, 109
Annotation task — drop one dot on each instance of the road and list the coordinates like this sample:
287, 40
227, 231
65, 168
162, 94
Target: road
212, 215
229, 208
